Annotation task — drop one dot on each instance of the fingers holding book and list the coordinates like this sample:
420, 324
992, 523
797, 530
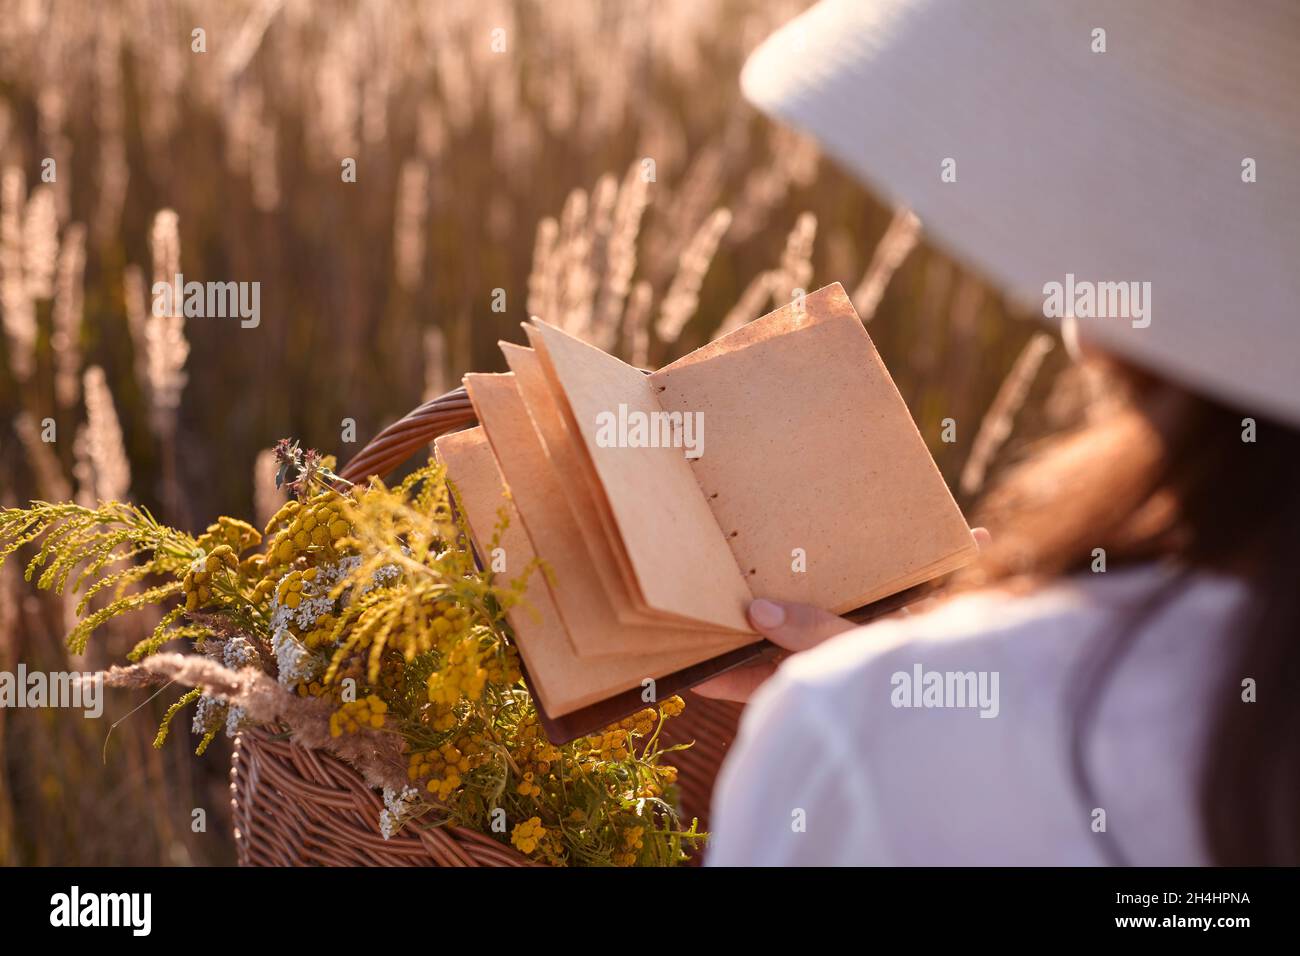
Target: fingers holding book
792, 627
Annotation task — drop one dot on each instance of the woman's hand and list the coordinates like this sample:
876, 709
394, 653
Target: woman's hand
792, 627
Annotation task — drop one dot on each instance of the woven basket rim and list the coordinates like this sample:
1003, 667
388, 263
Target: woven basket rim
305, 786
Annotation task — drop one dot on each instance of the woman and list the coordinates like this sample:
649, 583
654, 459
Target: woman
1118, 681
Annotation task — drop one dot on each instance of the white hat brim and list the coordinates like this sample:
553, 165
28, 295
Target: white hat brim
1116, 166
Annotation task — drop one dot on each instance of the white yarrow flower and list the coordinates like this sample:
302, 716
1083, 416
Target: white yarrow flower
234, 719
238, 652
398, 808
295, 662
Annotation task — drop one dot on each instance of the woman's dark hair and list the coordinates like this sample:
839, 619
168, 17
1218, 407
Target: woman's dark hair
1166, 474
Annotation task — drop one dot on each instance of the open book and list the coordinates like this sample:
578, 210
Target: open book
778, 461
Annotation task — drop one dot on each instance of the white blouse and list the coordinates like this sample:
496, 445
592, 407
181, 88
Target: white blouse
943, 738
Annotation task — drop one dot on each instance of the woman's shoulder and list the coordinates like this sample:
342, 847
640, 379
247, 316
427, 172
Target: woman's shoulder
904, 710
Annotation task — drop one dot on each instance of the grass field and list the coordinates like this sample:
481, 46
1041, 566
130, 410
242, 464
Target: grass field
588, 162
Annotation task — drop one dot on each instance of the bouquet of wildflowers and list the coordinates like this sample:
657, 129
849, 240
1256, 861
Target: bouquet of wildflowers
359, 621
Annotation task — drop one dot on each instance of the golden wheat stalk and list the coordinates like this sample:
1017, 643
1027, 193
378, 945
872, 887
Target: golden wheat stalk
377, 756
898, 241
15, 301
65, 337
998, 423
575, 281
103, 472
796, 267
541, 292
636, 324
166, 347
40, 243
683, 296
621, 257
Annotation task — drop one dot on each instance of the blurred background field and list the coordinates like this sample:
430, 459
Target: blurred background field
589, 162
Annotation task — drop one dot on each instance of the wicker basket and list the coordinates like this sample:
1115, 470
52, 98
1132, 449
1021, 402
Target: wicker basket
298, 807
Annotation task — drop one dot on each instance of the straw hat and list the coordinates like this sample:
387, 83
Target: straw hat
1070, 149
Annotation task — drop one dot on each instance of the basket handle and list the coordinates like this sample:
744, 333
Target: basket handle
449, 412
392, 446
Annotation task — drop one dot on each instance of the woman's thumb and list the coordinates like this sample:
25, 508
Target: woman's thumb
796, 627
